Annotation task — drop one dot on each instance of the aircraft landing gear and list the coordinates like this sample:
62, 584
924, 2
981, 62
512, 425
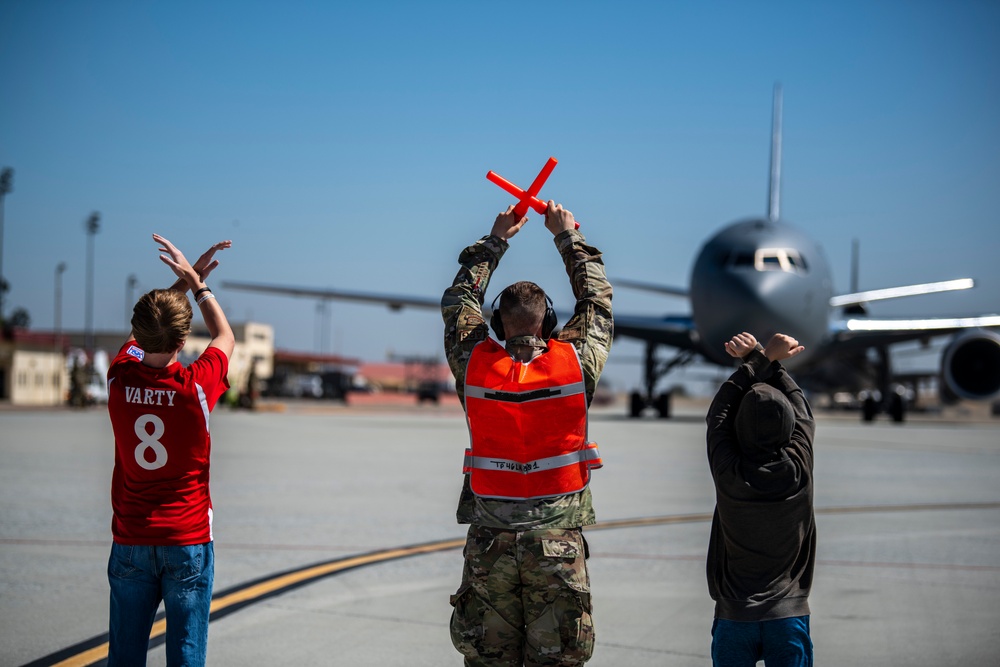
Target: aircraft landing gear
653, 372
638, 403
896, 407
891, 395
869, 408
663, 405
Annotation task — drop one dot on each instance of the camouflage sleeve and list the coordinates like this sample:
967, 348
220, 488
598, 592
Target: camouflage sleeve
591, 328
462, 304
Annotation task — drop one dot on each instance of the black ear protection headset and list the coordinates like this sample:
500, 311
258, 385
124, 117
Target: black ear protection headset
549, 320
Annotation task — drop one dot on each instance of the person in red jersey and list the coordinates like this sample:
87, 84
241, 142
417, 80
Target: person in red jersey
162, 524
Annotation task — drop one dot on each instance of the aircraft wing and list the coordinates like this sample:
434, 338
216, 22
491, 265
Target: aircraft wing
862, 332
651, 287
395, 302
674, 330
896, 292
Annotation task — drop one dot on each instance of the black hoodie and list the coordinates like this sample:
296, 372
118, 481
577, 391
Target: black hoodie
763, 546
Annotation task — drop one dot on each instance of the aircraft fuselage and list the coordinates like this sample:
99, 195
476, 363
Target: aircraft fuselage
764, 277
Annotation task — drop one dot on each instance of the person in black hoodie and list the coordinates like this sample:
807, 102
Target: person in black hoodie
763, 545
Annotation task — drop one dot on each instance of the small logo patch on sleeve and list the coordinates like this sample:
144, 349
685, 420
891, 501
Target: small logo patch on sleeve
570, 334
135, 352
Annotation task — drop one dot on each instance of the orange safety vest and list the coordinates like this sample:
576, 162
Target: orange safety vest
527, 423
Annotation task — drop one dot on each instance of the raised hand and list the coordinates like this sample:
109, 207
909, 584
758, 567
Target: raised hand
206, 264
176, 260
507, 225
741, 345
782, 347
558, 219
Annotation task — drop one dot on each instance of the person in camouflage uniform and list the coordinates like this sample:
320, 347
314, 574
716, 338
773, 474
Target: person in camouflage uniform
525, 592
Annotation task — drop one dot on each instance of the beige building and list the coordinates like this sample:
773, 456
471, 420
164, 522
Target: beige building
33, 369
33, 365
254, 348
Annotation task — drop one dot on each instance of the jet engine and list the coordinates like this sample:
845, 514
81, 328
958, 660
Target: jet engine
970, 367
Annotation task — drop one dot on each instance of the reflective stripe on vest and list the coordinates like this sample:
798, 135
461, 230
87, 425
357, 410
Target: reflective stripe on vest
589, 456
527, 423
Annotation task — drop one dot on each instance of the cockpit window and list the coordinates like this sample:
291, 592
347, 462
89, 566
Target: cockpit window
768, 259
779, 259
767, 263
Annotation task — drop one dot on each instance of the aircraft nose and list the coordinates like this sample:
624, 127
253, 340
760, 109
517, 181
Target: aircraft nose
763, 303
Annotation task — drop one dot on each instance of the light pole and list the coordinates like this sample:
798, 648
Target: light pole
57, 316
92, 225
322, 325
6, 187
130, 284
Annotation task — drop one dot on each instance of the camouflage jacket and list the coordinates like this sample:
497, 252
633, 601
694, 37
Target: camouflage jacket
589, 330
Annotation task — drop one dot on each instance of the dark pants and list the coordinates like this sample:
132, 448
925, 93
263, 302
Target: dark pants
783, 642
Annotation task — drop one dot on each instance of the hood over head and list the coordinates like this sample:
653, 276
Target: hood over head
764, 422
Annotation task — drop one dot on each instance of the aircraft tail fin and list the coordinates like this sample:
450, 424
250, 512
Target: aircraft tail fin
774, 182
855, 263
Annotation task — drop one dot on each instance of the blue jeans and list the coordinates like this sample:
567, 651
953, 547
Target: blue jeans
142, 576
783, 642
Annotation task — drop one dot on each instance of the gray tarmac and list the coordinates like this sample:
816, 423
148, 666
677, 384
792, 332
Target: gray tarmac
908, 566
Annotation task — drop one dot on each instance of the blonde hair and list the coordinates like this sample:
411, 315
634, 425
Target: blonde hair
161, 320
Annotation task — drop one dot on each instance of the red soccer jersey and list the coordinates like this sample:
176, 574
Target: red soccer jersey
159, 488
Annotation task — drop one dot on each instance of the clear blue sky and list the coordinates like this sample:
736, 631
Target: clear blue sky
346, 144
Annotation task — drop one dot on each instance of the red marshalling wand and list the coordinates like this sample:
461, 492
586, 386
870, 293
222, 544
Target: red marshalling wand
527, 198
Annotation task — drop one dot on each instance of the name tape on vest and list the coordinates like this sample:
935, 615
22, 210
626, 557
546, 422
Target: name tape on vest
486, 463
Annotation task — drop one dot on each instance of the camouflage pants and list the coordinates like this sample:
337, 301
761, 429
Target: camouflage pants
524, 599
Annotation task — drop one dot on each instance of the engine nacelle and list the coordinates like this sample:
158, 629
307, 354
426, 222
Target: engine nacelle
970, 367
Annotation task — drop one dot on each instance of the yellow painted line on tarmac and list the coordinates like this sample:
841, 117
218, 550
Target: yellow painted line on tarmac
88, 657
278, 583
318, 571
232, 601
650, 521
917, 507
